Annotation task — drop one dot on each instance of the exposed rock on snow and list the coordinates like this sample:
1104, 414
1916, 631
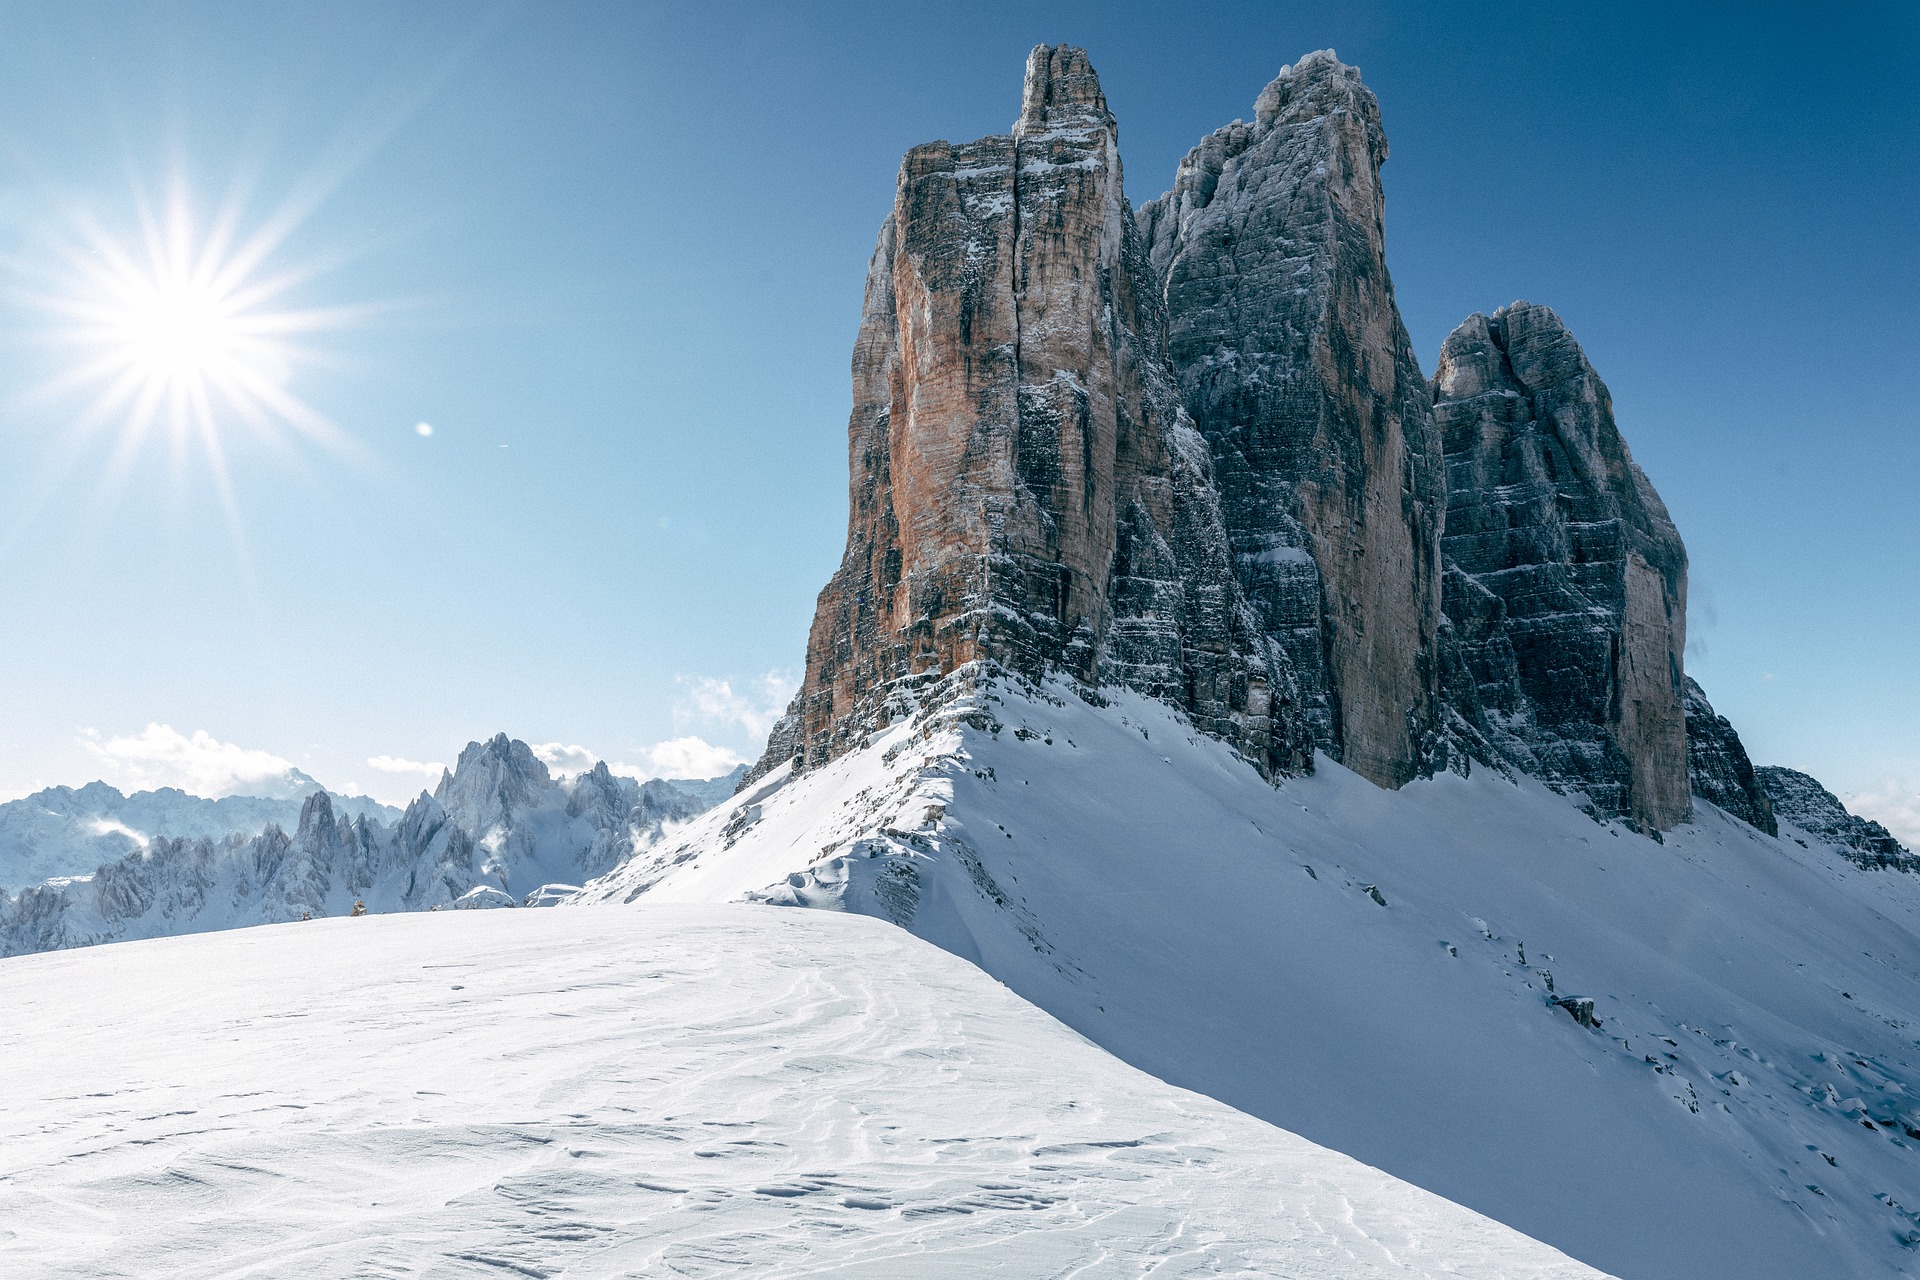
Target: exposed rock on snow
691, 1091
499, 830
1801, 800
1718, 765
1567, 582
68, 831
1752, 998
1025, 483
1294, 363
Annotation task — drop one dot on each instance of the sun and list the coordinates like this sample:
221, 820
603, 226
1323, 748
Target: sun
179, 330
186, 329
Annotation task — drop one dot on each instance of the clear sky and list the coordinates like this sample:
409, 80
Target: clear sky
612, 255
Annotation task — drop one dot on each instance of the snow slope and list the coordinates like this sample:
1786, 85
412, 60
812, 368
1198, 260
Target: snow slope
687, 1091
1375, 970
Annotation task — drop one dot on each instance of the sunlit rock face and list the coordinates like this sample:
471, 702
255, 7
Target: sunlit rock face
1718, 764
1567, 581
1025, 484
1294, 363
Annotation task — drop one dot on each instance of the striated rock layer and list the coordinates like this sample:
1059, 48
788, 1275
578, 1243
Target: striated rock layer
1025, 484
1566, 584
1718, 765
1294, 363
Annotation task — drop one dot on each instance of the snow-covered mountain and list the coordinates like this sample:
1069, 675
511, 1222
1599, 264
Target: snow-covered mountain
498, 830
1672, 1060
687, 1091
68, 831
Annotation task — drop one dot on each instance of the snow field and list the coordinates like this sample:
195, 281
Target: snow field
681, 1091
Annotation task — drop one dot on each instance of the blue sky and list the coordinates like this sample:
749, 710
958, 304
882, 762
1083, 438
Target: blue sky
613, 254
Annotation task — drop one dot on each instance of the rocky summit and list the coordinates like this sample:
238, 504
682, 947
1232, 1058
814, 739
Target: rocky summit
1191, 452
1293, 361
1567, 581
1026, 485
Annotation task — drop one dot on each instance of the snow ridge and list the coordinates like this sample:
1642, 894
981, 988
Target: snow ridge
1403, 976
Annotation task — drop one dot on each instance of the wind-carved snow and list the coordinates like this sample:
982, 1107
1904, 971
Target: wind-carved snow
1397, 975
687, 1091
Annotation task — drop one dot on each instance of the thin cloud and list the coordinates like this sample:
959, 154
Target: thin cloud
715, 702
398, 764
1895, 804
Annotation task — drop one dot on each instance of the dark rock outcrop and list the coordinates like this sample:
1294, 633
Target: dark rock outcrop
1718, 765
1801, 800
1025, 484
1295, 365
1566, 580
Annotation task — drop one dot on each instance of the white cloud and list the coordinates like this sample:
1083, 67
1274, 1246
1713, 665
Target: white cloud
690, 757
683, 757
715, 702
1894, 804
397, 764
161, 756
566, 759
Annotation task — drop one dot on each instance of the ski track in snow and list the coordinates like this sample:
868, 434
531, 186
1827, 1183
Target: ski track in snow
674, 1091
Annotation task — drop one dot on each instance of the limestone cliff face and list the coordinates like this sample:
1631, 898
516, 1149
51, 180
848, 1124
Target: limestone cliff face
1718, 764
1566, 583
1025, 484
1294, 363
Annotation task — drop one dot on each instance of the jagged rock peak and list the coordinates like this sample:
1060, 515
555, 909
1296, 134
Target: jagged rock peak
1566, 583
1062, 92
1024, 485
1294, 362
1799, 798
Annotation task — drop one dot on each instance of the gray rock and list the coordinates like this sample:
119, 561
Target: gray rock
1718, 765
1294, 363
1801, 800
1566, 581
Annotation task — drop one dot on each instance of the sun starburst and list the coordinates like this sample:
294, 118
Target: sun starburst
185, 331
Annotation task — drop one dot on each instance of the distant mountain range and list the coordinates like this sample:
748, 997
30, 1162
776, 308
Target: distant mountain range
498, 830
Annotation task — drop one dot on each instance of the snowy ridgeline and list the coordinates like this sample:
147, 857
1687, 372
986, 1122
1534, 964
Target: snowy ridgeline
683, 1091
499, 830
1672, 1061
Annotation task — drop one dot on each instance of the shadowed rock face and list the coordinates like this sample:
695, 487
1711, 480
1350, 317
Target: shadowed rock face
1566, 583
1025, 484
1718, 764
1800, 799
1294, 363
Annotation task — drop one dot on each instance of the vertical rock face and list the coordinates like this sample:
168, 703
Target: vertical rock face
1294, 363
1566, 586
1718, 765
1025, 484
1801, 800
